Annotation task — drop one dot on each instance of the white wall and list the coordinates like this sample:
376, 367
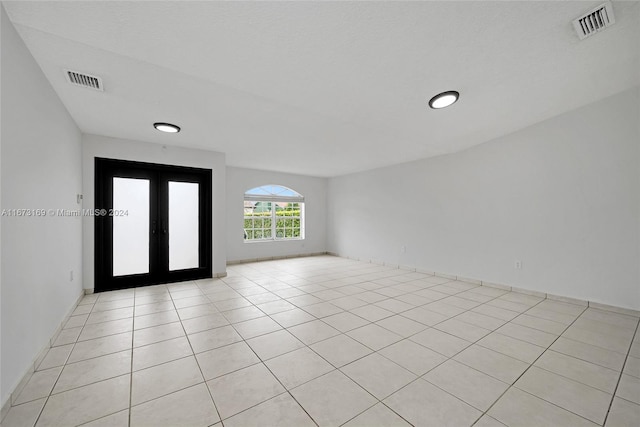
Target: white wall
314, 191
562, 196
100, 146
40, 169
3, 395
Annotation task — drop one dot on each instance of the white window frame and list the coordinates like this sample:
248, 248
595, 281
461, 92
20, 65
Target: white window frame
274, 199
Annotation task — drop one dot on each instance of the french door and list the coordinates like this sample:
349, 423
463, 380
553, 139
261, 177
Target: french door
152, 224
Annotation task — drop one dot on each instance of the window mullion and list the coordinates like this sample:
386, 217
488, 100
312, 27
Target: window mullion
273, 223
290, 215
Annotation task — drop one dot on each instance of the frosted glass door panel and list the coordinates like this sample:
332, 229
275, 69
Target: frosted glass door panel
130, 230
183, 225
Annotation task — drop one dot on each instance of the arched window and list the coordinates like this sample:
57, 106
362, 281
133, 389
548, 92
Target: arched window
273, 212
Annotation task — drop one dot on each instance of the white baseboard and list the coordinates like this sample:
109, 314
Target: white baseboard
561, 298
272, 258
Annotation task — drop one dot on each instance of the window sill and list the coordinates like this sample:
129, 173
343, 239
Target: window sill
251, 241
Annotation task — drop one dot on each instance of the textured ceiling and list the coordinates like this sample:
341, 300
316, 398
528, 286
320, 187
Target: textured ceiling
326, 88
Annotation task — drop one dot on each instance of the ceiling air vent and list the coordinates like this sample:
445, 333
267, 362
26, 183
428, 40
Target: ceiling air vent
84, 80
595, 20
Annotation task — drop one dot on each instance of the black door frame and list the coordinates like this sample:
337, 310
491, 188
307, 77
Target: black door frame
159, 176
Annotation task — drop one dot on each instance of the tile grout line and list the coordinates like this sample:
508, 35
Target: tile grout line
82, 360
262, 361
61, 370
420, 377
274, 288
306, 345
286, 390
133, 331
529, 367
613, 395
195, 358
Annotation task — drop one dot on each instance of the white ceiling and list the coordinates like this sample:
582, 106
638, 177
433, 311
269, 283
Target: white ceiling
326, 88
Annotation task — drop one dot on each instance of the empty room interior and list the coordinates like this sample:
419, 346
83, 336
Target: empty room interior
356, 214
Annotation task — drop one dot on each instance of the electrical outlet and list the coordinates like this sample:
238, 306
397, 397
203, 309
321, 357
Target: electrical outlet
518, 265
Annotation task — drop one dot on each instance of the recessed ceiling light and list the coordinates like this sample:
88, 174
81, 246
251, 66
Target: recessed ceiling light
444, 99
167, 127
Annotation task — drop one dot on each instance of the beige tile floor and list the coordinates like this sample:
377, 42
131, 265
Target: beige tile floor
328, 341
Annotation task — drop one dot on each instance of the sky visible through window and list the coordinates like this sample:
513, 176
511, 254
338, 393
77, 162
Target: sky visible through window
272, 190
